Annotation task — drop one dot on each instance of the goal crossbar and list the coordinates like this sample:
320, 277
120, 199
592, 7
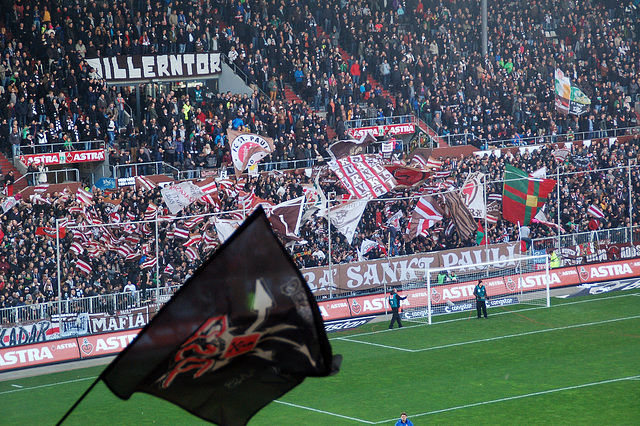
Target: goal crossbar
522, 279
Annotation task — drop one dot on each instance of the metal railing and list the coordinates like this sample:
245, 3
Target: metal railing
608, 236
142, 169
49, 148
471, 138
382, 121
91, 305
240, 73
50, 176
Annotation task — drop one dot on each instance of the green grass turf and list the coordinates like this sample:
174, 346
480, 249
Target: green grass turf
577, 362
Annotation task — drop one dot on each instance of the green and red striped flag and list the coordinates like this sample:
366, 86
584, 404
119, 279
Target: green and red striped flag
523, 195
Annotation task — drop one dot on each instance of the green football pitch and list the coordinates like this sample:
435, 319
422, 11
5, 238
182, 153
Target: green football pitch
577, 362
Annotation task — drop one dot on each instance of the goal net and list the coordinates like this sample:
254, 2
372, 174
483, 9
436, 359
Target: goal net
447, 290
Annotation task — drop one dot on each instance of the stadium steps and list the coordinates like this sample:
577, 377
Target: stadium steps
346, 57
429, 131
5, 166
290, 96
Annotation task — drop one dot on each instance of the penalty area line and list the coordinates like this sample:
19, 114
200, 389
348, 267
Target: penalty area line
511, 398
376, 344
315, 410
45, 386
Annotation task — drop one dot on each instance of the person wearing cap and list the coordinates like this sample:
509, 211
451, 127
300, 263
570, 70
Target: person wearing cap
404, 420
394, 303
480, 292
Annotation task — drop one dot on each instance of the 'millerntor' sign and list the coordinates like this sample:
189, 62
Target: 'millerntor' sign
145, 68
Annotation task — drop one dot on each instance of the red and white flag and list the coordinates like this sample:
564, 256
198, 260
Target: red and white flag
210, 188
442, 174
84, 196
181, 233
418, 161
595, 212
149, 263
193, 241
207, 239
83, 266
209, 199
41, 187
131, 217
363, 176
145, 183
133, 256
133, 240
151, 212
192, 254
77, 248
124, 250
115, 217
194, 221
245, 200
429, 210
434, 164
168, 270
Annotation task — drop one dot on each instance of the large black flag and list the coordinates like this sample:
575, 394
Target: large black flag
243, 331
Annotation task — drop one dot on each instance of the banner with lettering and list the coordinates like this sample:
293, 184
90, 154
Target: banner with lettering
357, 276
179, 196
145, 68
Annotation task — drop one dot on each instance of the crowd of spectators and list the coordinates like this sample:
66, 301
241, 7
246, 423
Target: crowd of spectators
594, 174
433, 69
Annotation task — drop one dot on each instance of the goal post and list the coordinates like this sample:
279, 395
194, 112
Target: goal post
523, 279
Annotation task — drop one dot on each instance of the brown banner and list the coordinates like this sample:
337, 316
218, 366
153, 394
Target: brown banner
360, 276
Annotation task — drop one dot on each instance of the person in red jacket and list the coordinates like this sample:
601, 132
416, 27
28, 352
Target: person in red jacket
355, 73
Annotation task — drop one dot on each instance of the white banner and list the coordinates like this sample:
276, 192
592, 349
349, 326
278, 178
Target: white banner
179, 196
346, 217
8, 203
472, 194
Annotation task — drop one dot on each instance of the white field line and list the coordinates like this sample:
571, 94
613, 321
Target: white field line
377, 344
302, 407
423, 324
490, 339
511, 398
47, 385
461, 407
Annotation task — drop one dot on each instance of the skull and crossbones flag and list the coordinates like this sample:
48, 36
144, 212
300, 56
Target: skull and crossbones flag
243, 331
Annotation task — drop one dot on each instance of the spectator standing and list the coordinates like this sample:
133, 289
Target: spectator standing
9, 180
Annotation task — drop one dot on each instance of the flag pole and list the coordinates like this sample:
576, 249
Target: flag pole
75, 404
330, 194
630, 205
157, 257
486, 228
58, 268
558, 202
520, 237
